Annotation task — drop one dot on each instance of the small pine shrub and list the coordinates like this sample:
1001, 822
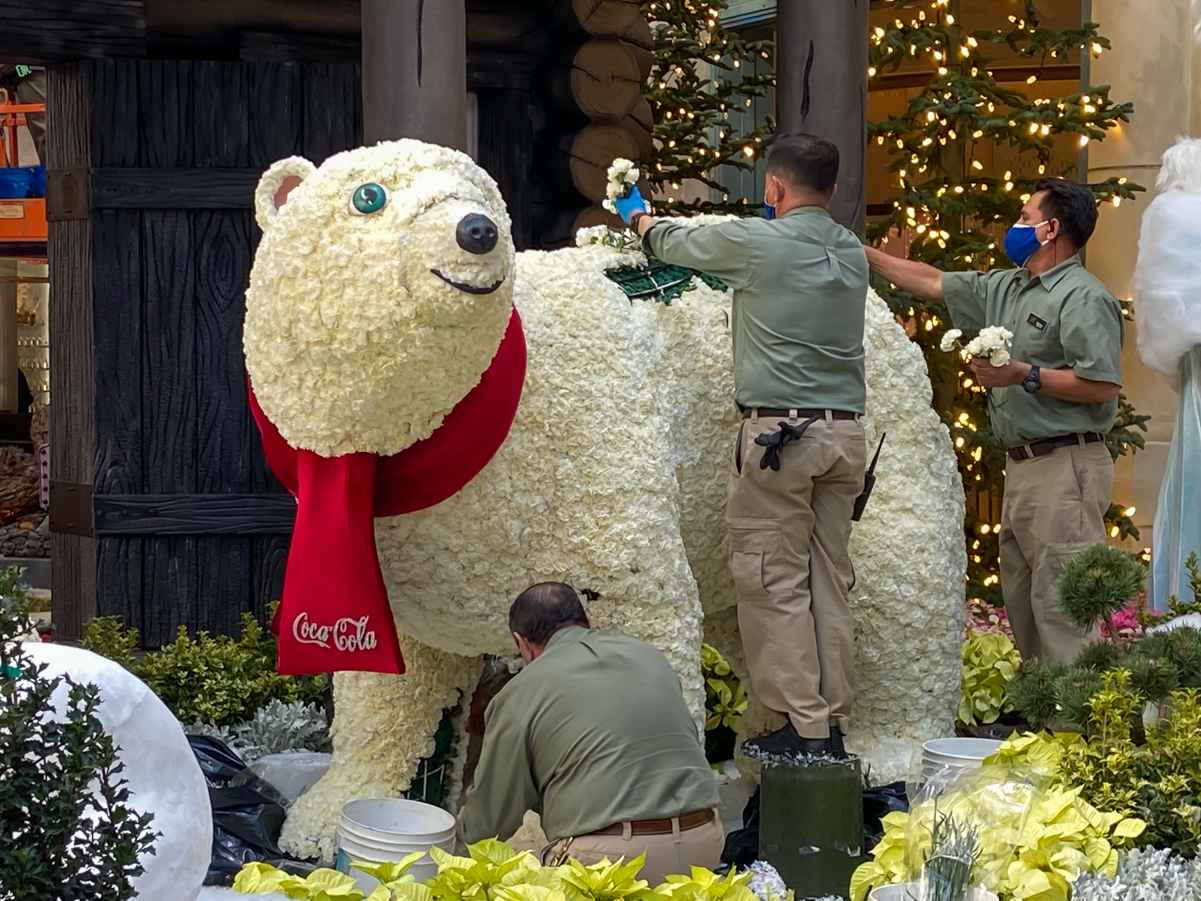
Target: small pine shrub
1034, 693
1099, 656
1097, 583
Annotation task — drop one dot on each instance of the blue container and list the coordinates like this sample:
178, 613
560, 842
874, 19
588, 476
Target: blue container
37, 186
15, 183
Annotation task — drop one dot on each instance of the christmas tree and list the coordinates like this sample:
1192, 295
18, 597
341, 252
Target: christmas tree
701, 90
953, 210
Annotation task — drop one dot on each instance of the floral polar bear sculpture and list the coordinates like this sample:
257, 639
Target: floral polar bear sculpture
364, 330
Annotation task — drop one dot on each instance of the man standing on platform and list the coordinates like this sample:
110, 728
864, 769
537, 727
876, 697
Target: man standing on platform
800, 288
1051, 405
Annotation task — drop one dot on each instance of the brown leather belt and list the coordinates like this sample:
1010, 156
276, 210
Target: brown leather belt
688, 821
776, 412
1047, 445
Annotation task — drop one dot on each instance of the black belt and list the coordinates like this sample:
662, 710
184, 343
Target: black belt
774, 412
1047, 445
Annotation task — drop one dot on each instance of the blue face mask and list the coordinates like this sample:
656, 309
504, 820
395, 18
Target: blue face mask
1021, 241
769, 211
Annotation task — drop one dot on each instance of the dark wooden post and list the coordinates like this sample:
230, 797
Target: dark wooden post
415, 71
821, 86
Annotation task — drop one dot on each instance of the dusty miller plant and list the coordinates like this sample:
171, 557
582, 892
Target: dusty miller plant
1155, 875
275, 728
68, 831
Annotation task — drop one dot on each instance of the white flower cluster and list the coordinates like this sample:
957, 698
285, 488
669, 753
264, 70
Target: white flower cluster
613, 479
622, 176
994, 342
1155, 875
606, 237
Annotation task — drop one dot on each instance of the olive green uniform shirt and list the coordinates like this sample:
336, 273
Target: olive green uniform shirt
593, 733
800, 290
1062, 319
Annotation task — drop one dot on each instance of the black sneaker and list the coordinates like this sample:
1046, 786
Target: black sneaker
785, 742
838, 748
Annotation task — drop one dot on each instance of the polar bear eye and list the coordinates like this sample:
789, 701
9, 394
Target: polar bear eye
369, 198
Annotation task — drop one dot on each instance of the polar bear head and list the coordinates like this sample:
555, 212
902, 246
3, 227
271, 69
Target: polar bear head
379, 294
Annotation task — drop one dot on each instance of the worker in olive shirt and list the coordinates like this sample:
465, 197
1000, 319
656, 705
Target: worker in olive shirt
595, 736
1051, 405
800, 291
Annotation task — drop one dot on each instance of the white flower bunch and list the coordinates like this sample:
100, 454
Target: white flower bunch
622, 176
994, 342
604, 236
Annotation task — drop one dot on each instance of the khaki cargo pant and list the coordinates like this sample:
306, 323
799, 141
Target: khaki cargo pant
669, 854
789, 534
1054, 508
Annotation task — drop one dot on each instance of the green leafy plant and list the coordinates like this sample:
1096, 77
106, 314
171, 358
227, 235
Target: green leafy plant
1154, 776
990, 662
210, 679
954, 850
1034, 850
493, 871
725, 698
1098, 583
68, 830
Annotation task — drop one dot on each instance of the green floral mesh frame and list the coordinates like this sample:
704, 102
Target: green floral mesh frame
659, 281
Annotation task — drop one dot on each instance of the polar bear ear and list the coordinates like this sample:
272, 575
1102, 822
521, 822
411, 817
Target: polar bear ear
275, 185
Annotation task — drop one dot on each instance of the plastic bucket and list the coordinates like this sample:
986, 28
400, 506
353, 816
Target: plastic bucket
388, 830
952, 754
906, 891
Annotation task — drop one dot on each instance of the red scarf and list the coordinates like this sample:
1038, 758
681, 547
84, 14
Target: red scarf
335, 614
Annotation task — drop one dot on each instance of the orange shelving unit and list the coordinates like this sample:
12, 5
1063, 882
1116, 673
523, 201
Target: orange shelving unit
22, 220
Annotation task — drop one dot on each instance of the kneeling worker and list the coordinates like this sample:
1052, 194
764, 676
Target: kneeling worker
595, 736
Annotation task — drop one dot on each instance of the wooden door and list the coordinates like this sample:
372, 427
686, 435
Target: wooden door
162, 509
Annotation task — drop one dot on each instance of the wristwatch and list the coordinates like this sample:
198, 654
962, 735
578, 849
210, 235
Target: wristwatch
1033, 380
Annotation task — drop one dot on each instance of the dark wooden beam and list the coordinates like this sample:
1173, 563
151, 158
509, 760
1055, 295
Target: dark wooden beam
415, 71
821, 87
72, 361
194, 514
38, 31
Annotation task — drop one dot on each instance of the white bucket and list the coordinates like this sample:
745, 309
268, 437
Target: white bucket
388, 830
907, 891
955, 754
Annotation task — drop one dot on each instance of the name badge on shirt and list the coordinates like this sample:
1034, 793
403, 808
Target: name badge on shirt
1040, 324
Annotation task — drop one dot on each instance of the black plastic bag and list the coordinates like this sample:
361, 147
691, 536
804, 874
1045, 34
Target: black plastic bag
742, 845
878, 803
248, 813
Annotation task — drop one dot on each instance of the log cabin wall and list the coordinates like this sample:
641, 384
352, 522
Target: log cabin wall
163, 510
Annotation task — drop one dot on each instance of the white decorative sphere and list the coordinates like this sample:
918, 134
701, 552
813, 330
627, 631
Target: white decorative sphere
163, 776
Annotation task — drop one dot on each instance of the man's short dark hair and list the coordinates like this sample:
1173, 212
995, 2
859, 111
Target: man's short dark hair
543, 609
804, 161
1073, 205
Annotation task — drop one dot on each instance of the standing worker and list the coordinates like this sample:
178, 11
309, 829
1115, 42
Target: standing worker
800, 290
594, 735
1051, 405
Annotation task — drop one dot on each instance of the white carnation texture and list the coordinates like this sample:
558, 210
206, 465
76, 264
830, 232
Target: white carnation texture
950, 340
345, 318
613, 479
993, 342
621, 175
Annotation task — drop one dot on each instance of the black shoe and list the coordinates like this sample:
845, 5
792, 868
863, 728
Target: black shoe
785, 742
838, 748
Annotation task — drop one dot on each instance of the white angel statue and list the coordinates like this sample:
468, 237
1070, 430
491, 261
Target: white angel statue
1167, 289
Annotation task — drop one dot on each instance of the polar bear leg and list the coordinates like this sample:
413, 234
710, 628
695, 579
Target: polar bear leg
662, 607
383, 727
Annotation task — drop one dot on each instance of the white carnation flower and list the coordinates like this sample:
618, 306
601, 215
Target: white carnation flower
950, 339
999, 357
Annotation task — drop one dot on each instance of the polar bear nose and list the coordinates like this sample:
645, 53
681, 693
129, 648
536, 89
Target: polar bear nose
476, 234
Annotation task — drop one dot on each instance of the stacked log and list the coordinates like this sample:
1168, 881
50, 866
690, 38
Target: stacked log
596, 89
